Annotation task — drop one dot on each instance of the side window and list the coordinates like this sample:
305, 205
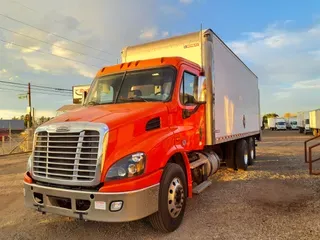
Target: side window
188, 89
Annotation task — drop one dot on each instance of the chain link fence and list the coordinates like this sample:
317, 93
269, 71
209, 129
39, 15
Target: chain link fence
17, 143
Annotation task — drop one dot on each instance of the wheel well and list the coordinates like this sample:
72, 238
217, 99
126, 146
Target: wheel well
178, 159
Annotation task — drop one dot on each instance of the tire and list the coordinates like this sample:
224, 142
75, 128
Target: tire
242, 155
229, 155
251, 151
300, 130
173, 179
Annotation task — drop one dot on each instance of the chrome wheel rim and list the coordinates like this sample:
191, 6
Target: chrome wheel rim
175, 197
252, 154
245, 158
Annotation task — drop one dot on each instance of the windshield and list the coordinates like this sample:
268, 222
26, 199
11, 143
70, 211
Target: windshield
294, 123
281, 123
143, 86
307, 121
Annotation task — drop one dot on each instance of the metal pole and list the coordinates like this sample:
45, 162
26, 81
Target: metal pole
10, 137
33, 118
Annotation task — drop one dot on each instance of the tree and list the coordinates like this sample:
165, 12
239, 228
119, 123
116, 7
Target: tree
15, 118
289, 115
26, 120
269, 115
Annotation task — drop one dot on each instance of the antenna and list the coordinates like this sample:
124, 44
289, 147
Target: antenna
201, 45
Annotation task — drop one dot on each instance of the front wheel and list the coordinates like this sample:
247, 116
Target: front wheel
172, 199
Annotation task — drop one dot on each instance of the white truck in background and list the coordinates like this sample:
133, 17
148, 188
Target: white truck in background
314, 117
272, 123
303, 122
292, 123
281, 124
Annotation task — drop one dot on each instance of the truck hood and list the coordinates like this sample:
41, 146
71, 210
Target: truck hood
112, 114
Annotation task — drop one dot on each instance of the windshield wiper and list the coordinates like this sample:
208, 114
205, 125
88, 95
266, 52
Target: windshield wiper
93, 103
133, 99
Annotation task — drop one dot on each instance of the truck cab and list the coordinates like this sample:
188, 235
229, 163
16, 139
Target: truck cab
280, 124
293, 125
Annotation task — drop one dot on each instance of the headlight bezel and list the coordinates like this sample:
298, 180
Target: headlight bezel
122, 166
29, 164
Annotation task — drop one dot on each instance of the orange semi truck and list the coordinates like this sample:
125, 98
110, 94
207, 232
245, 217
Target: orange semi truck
150, 133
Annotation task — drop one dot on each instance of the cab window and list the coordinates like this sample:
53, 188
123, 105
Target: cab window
188, 89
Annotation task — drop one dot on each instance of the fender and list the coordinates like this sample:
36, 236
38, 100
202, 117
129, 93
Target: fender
179, 149
154, 144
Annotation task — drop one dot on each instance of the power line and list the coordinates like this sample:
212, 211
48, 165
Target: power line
24, 5
53, 34
21, 34
33, 92
37, 50
35, 10
37, 86
17, 90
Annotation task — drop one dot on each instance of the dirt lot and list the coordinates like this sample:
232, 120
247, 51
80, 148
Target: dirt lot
275, 199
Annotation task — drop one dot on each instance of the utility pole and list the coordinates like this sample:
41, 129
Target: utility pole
29, 97
33, 118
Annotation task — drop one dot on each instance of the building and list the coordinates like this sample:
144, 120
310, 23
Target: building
16, 126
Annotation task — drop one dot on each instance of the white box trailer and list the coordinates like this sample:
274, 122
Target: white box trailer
314, 117
272, 123
303, 122
233, 111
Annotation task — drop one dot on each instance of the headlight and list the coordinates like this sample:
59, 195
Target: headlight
29, 164
129, 166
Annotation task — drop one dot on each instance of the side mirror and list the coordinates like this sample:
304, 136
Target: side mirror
201, 92
84, 96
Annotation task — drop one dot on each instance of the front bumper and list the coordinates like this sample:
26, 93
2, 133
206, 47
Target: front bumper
136, 204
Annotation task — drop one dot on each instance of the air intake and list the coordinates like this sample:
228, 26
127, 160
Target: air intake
153, 124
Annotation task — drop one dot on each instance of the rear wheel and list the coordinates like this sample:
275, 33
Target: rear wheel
251, 150
172, 199
242, 154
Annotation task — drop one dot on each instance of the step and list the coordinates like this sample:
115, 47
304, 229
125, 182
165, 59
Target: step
198, 163
202, 186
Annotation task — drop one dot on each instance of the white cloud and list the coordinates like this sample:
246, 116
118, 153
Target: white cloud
308, 84
59, 49
165, 34
149, 33
284, 60
30, 49
37, 67
186, 1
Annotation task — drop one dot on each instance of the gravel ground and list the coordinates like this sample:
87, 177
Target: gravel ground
275, 199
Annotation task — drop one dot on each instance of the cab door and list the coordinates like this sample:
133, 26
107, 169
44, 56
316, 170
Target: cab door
191, 113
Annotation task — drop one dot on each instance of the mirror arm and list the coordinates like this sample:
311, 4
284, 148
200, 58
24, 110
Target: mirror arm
186, 113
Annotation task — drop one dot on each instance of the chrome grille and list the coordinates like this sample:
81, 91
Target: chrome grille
66, 156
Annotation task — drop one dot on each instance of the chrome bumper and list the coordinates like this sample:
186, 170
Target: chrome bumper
136, 204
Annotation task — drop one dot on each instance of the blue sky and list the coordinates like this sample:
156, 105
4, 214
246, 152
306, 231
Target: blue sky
279, 40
